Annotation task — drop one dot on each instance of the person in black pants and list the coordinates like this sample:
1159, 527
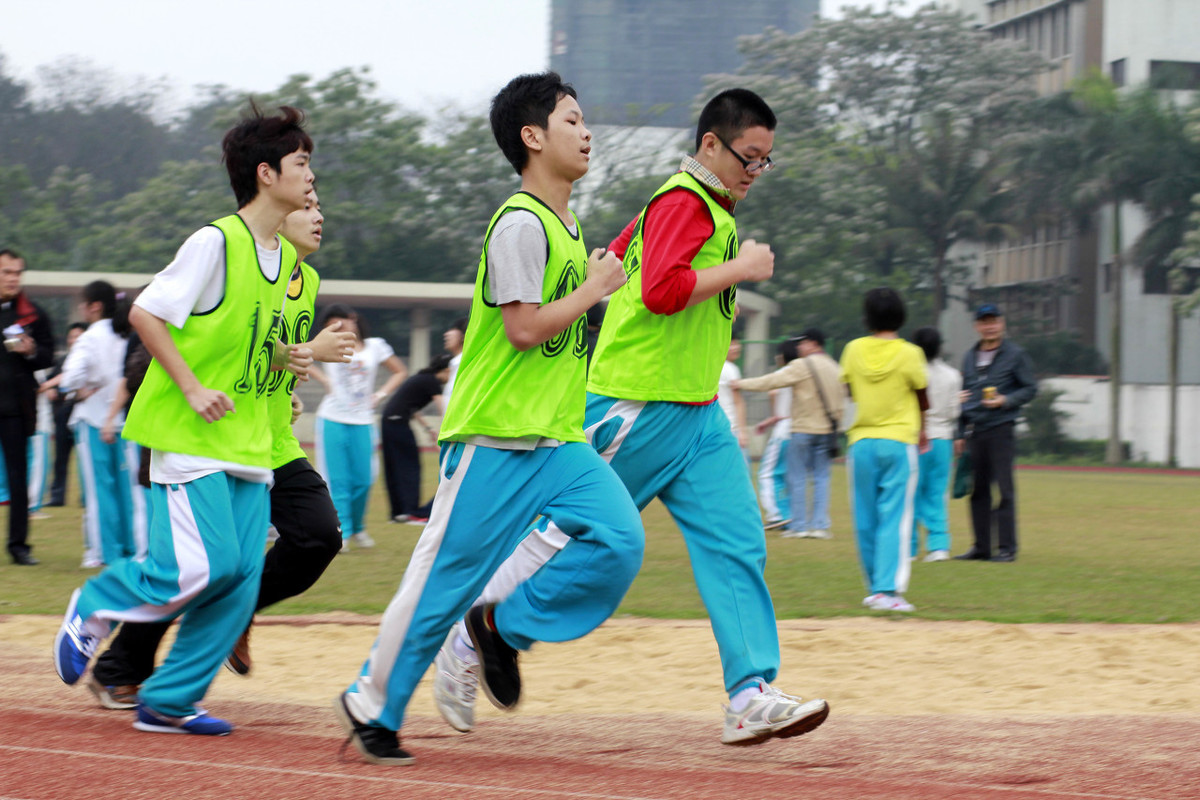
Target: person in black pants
62, 406
28, 346
401, 455
997, 380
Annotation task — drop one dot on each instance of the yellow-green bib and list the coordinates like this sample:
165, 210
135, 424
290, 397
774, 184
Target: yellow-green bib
641, 355
504, 392
228, 348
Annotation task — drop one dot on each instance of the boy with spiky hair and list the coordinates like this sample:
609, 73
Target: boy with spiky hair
651, 415
210, 320
512, 441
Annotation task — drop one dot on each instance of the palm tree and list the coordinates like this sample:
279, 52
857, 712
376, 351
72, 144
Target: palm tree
945, 185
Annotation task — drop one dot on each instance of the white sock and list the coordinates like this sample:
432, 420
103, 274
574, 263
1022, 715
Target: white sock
742, 698
464, 650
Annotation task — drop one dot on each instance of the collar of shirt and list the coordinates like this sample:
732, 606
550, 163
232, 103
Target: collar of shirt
707, 179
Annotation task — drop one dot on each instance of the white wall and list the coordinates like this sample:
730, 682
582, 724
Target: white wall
1143, 30
1144, 416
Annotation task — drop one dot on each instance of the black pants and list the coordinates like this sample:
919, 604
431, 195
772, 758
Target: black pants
992, 453
16, 448
64, 442
309, 539
401, 466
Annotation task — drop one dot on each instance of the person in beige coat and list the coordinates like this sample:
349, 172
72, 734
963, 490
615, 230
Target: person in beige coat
817, 404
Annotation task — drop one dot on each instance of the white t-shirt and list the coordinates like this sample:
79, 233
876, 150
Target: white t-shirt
454, 362
96, 362
945, 382
349, 398
782, 407
729, 372
194, 283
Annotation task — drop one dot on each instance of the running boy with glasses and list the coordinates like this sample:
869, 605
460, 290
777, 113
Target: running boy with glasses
651, 414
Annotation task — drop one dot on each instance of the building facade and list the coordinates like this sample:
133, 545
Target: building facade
643, 62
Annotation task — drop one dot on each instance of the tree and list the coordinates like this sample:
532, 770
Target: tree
894, 125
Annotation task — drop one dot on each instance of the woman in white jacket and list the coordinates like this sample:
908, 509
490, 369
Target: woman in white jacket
93, 370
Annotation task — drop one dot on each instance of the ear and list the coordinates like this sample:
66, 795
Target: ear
265, 174
531, 136
708, 143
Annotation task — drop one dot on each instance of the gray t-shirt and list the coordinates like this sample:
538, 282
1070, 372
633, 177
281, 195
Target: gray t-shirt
517, 258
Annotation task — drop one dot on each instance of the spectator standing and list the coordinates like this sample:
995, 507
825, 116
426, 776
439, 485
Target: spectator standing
730, 399
28, 347
934, 465
345, 428
997, 380
61, 405
401, 454
886, 377
817, 404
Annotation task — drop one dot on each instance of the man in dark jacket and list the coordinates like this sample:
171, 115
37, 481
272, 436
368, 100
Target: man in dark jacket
997, 380
28, 346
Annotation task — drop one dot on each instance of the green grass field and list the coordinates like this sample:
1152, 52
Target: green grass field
1095, 547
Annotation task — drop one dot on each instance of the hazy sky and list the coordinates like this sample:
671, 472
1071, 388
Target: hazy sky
423, 55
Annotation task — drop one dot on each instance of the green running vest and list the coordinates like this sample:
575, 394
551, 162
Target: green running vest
295, 327
228, 348
503, 392
677, 357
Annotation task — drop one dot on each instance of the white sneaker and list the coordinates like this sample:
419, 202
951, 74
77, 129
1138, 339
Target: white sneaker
773, 524
345, 546
454, 685
363, 539
938, 555
795, 534
890, 602
820, 535
772, 714
871, 598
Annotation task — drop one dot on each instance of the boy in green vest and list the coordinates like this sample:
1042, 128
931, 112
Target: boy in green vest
651, 415
512, 441
301, 509
210, 320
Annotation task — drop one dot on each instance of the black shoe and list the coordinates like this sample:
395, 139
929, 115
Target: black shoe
499, 674
1003, 557
24, 560
973, 555
377, 745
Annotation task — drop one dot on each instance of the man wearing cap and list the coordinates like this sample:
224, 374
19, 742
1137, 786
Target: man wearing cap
997, 380
817, 402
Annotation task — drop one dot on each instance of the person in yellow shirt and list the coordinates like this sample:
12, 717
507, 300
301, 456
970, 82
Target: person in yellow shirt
886, 378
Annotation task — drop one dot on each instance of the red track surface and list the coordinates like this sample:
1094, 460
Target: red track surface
291, 751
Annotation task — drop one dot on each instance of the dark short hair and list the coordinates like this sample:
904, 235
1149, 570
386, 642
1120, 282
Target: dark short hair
731, 112
11, 254
460, 324
77, 325
436, 364
883, 310
259, 139
789, 349
812, 335
929, 340
526, 100
343, 311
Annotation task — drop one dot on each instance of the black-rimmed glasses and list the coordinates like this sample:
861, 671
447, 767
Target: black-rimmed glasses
754, 167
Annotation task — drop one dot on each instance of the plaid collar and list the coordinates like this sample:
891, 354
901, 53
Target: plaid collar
706, 177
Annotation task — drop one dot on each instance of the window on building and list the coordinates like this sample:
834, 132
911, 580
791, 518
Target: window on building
1055, 45
1066, 30
1175, 75
1117, 72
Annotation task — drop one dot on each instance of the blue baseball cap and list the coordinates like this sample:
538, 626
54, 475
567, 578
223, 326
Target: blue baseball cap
988, 310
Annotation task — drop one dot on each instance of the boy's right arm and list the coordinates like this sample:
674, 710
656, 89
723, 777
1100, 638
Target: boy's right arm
211, 404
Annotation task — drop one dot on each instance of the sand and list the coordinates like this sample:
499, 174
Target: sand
862, 666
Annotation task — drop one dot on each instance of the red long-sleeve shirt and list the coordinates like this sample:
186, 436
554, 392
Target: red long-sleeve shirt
673, 235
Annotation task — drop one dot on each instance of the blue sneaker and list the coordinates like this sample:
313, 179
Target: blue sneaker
73, 646
201, 723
